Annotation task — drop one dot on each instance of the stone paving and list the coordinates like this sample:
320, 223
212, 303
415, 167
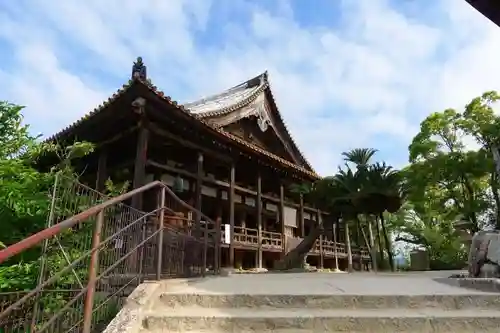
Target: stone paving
421, 283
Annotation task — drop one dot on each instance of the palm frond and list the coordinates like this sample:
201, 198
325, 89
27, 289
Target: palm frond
361, 157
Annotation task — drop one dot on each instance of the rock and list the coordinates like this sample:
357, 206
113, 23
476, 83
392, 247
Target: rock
484, 255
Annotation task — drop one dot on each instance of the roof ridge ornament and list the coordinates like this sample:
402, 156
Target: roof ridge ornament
139, 70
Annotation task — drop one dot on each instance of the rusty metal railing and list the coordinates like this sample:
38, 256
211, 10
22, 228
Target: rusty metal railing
96, 252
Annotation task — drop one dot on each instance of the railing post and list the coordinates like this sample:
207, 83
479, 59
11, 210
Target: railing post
41, 274
217, 244
373, 250
93, 268
161, 206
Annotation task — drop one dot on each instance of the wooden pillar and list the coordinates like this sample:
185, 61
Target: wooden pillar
218, 223
321, 254
102, 172
373, 250
282, 219
198, 194
232, 181
301, 216
140, 163
258, 204
348, 244
335, 254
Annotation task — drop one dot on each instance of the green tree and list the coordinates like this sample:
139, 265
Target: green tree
368, 189
23, 190
453, 178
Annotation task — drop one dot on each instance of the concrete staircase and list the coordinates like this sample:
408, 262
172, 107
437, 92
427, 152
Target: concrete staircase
182, 309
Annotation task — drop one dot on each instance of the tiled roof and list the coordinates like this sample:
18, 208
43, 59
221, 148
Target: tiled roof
238, 97
97, 110
103, 108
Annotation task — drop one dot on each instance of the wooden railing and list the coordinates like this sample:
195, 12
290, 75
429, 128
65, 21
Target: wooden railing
246, 236
329, 247
273, 241
250, 237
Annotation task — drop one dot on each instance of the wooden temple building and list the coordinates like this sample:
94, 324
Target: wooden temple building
230, 155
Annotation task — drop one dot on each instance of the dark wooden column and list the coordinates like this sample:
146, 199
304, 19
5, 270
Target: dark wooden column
140, 163
218, 223
102, 172
258, 204
198, 195
232, 181
335, 252
282, 218
321, 254
348, 244
301, 216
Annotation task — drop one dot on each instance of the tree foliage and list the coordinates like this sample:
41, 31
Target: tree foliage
453, 178
25, 194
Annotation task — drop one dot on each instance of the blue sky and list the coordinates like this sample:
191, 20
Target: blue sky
345, 73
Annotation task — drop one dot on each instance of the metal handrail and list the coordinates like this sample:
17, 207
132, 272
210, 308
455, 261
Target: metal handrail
70, 266
40, 236
97, 210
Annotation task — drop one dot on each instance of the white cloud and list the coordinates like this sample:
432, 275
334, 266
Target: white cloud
367, 79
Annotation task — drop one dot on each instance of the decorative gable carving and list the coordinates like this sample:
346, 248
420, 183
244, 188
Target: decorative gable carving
250, 103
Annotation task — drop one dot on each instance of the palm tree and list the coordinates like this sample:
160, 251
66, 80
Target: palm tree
361, 157
369, 189
375, 188
383, 192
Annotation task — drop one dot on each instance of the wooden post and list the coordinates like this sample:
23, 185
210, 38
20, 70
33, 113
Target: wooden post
321, 254
102, 173
348, 244
372, 247
258, 204
218, 221
301, 216
232, 181
282, 219
335, 254
198, 195
140, 163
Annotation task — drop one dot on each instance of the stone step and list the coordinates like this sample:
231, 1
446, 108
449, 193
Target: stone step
321, 320
339, 301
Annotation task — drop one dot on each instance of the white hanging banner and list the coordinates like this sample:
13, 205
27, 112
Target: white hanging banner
290, 217
227, 234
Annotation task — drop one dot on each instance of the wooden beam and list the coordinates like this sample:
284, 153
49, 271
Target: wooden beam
118, 136
189, 144
225, 185
232, 177
140, 164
